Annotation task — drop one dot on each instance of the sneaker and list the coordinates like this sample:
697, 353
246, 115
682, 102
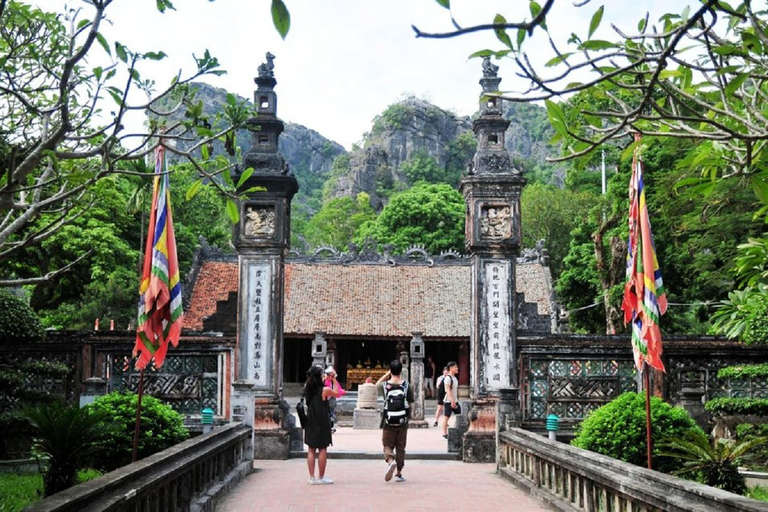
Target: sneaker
312, 481
324, 481
390, 471
435, 424
333, 431
399, 478
445, 436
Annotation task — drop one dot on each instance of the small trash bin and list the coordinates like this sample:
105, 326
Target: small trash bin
206, 418
553, 425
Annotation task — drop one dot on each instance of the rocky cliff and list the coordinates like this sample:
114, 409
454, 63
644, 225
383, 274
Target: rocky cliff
405, 130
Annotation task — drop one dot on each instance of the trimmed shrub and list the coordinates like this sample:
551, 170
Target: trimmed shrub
161, 427
618, 430
17, 320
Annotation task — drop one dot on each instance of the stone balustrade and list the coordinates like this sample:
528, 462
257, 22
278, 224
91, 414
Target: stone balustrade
571, 479
190, 476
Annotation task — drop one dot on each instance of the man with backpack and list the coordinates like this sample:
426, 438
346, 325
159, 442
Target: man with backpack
398, 397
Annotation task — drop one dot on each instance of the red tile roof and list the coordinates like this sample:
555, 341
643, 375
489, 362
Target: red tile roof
365, 300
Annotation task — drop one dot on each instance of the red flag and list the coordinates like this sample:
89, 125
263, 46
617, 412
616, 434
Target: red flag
645, 299
160, 308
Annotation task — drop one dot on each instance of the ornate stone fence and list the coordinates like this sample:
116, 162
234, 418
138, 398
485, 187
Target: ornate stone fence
571, 479
196, 374
191, 476
571, 375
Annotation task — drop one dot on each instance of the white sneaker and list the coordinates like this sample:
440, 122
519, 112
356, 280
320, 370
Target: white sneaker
390, 471
324, 481
312, 481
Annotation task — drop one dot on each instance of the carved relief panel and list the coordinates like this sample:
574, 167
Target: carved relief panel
259, 221
495, 221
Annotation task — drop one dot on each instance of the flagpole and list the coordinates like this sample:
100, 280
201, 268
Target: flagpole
648, 439
138, 418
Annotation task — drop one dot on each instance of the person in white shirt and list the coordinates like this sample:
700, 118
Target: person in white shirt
451, 400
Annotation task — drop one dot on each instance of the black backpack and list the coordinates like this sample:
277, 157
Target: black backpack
441, 391
395, 404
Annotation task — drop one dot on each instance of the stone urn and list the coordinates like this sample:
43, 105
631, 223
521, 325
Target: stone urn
367, 396
367, 414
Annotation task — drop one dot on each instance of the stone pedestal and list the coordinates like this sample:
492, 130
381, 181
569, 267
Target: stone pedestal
92, 389
272, 440
366, 419
367, 414
479, 443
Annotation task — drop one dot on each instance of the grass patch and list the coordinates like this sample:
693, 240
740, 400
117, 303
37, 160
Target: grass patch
758, 492
19, 490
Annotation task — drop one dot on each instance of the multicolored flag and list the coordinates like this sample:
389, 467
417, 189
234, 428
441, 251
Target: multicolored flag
160, 308
644, 297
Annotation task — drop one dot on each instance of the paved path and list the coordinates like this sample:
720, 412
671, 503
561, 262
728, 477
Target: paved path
432, 485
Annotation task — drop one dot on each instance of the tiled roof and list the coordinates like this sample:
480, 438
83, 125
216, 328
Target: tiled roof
365, 300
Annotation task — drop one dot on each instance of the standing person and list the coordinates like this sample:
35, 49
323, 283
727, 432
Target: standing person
440, 395
317, 432
330, 379
398, 397
451, 400
429, 378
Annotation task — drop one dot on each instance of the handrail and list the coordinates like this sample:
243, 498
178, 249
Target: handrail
572, 479
183, 478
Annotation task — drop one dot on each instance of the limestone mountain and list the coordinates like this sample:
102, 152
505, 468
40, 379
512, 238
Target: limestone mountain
408, 134
413, 129
309, 154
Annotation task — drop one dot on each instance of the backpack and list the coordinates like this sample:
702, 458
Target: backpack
441, 390
395, 404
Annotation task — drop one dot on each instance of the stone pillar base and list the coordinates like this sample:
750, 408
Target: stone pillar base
271, 444
366, 419
479, 447
418, 424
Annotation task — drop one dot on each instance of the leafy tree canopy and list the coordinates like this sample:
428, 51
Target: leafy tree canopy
429, 215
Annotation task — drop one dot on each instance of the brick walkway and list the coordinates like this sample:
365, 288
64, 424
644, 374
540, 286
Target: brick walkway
432, 485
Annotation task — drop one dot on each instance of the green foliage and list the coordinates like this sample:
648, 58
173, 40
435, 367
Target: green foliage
743, 372
19, 490
757, 459
755, 406
394, 117
460, 152
551, 214
742, 315
422, 167
17, 320
338, 220
715, 464
161, 427
758, 493
618, 430
64, 434
429, 215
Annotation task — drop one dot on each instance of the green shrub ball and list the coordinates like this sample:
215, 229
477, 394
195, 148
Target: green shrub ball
618, 430
161, 427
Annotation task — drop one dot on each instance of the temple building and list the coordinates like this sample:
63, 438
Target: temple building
366, 305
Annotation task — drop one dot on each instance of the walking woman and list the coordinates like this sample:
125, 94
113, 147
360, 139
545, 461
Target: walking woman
317, 433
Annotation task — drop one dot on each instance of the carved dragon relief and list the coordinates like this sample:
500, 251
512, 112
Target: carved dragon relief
259, 222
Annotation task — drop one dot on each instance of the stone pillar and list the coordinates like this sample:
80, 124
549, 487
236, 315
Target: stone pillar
319, 349
330, 355
493, 234
508, 415
417, 381
92, 389
261, 239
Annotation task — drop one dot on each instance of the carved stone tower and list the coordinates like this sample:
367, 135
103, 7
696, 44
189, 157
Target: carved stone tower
492, 195
262, 241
